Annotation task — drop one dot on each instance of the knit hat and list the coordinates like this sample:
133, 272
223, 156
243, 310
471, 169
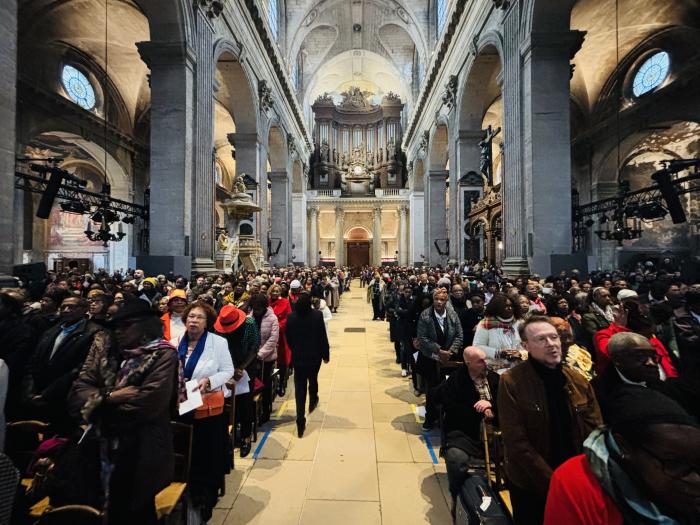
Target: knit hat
295, 284
626, 294
151, 280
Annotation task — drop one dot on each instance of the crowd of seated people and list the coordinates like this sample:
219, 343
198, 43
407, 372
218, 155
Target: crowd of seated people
101, 368
591, 382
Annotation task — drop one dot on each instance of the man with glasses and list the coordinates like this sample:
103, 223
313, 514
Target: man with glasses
58, 358
546, 411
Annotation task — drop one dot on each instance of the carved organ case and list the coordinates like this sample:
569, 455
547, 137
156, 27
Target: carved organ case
357, 145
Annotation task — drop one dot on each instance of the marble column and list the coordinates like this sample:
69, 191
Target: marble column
339, 234
435, 212
417, 222
204, 181
281, 227
172, 67
8, 108
377, 237
515, 261
403, 236
547, 145
313, 235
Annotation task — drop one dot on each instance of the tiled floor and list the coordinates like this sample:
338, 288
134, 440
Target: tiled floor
363, 458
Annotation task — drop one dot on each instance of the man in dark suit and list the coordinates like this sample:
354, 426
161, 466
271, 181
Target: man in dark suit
56, 363
466, 397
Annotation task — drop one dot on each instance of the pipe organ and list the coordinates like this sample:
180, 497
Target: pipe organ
357, 145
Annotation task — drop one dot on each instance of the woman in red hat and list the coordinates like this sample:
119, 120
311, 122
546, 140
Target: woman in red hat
243, 339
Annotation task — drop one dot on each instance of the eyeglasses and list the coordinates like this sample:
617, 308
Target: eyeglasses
643, 357
194, 317
673, 468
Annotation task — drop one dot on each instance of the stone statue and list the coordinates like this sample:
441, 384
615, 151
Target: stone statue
222, 242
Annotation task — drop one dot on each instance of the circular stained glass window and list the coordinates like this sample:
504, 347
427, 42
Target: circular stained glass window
651, 74
78, 87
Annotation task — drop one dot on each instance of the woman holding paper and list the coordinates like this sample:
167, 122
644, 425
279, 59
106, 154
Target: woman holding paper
207, 366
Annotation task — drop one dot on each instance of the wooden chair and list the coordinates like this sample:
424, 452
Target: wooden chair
22, 440
71, 515
168, 498
230, 412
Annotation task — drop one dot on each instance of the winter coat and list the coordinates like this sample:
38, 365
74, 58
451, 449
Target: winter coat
307, 338
282, 309
269, 336
427, 334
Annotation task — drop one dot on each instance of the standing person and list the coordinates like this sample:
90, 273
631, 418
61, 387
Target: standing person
497, 334
294, 291
307, 338
391, 299
439, 339
243, 339
330, 293
204, 357
546, 411
280, 305
600, 314
472, 317
128, 391
173, 325
268, 327
403, 308
56, 363
375, 295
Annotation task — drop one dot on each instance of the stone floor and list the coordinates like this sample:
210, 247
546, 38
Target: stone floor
363, 458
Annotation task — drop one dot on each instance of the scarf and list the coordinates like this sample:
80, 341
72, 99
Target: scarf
607, 313
603, 455
188, 365
489, 323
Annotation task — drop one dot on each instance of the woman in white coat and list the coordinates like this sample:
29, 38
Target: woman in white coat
497, 334
205, 358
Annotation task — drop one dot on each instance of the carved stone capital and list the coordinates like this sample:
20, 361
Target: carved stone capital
211, 8
449, 97
265, 95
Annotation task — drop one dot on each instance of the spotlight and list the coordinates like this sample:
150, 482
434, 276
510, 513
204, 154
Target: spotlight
73, 207
128, 220
103, 213
651, 211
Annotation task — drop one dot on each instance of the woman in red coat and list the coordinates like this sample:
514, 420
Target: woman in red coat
643, 469
282, 309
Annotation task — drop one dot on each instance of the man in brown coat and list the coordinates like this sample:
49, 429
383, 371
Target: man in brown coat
546, 411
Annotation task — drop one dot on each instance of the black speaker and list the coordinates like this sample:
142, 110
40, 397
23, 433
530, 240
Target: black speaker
668, 192
30, 272
49, 195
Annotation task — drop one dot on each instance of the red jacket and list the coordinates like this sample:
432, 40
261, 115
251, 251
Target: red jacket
603, 356
166, 325
282, 309
576, 497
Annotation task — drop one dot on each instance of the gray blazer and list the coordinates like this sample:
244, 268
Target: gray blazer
427, 335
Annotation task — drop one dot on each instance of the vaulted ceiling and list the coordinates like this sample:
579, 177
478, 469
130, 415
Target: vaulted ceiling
374, 44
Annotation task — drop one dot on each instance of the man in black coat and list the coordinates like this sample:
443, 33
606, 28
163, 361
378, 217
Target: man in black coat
466, 397
57, 361
308, 342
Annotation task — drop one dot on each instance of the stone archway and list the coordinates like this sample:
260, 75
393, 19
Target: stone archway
358, 241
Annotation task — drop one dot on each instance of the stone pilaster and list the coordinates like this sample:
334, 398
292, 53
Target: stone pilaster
377, 236
435, 213
204, 182
547, 145
515, 262
339, 236
8, 107
403, 236
172, 145
313, 235
281, 227
469, 157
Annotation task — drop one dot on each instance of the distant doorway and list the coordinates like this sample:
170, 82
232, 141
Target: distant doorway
358, 247
358, 253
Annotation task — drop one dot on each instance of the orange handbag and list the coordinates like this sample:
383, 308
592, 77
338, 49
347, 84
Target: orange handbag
213, 405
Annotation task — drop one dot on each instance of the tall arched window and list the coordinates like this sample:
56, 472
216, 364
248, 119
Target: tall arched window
273, 18
441, 15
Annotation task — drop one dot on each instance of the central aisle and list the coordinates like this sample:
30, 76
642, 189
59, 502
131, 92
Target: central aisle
363, 458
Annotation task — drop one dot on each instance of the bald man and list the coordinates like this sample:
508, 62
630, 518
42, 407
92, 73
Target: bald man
466, 397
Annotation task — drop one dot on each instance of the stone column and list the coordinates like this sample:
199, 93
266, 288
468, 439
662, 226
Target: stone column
403, 236
435, 212
204, 181
417, 222
469, 156
280, 211
377, 236
515, 261
339, 244
8, 107
313, 235
247, 147
547, 145
172, 145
